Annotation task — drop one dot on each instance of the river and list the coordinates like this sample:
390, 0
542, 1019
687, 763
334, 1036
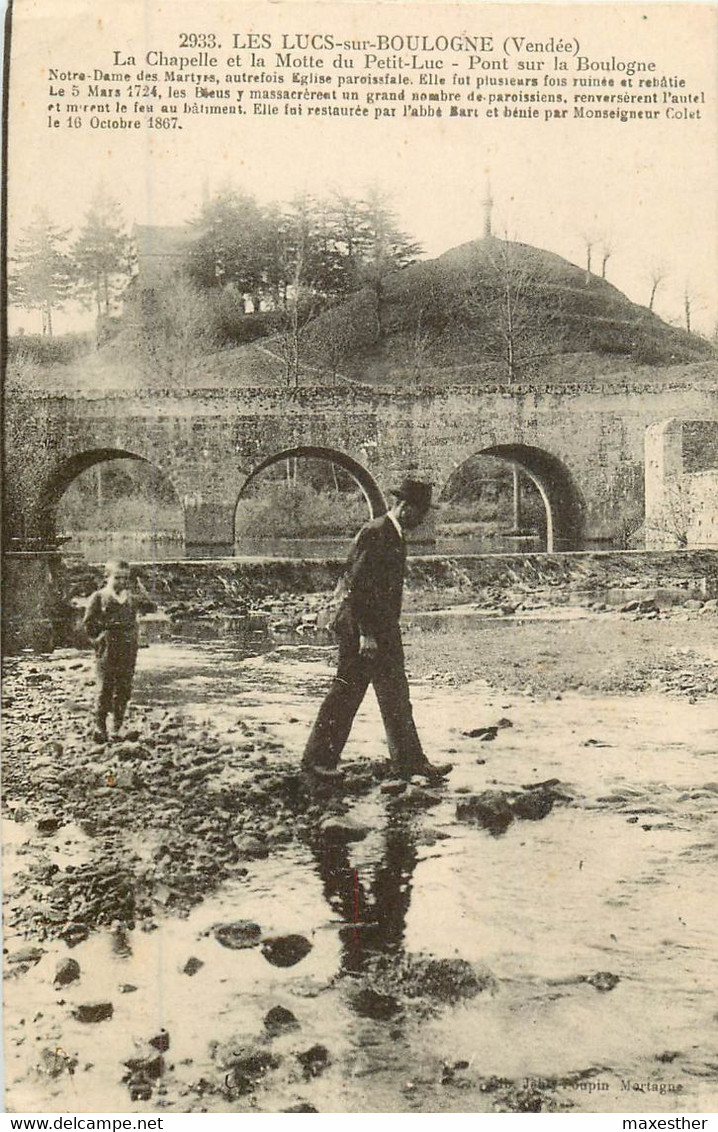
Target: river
135, 548
617, 881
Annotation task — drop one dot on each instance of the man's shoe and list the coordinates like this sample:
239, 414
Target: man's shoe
434, 773
439, 772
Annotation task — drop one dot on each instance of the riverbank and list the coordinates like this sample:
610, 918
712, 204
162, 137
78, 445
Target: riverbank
277, 595
156, 888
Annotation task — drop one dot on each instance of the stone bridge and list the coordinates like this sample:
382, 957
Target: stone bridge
583, 447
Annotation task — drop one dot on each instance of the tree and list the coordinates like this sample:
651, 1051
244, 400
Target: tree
343, 244
687, 305
170, 331
351, 234
229, 244
606, 253
657, 276
516, 310
588, 241
335, 335
303, 268
41, 277
385, 249
428, 314
672, 521
308, 234
101, 254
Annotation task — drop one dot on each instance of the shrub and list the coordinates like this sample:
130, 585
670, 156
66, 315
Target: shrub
299, 511
45, 351
232, 326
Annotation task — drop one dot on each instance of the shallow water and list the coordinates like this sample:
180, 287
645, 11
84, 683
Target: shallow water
621, 881
99, 547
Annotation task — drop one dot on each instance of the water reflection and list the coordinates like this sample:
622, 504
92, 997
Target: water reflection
121, 942
374, 907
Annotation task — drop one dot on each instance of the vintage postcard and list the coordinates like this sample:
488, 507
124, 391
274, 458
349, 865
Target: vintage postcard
360, 583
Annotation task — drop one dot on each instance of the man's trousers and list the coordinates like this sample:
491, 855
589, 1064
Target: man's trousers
115, 667
354, 674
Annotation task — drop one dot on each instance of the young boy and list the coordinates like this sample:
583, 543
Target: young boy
110, 622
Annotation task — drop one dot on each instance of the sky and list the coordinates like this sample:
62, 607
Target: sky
649, 191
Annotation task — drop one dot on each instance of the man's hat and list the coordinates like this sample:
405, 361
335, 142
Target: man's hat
414, 492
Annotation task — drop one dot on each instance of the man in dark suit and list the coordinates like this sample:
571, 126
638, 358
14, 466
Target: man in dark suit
370, 648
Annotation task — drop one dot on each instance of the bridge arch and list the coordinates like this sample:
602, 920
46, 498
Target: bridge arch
364, 480
63, 474
561, 499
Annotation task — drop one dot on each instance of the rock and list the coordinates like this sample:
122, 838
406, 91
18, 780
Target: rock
546, 784
55, 1061
279, 1020
424, 976
68, 970
603, 980
25, 956
529, 1100
247, 1067
238, 935
629, 607
533, 806
301, 1106
490, 809
150, 1068
314, 1061
48, 825
192, 966
251, 848
93, 1012
693, 603
140, 1090
452, 979
504, 722
285, 950
126, 751
668, 1056
74, 934
161, 1041
485, 734
342, 829
127, 778
418, 798
369, 1003
649, 605
126, 988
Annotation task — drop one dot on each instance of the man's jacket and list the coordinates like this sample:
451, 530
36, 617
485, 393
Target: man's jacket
374, 578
